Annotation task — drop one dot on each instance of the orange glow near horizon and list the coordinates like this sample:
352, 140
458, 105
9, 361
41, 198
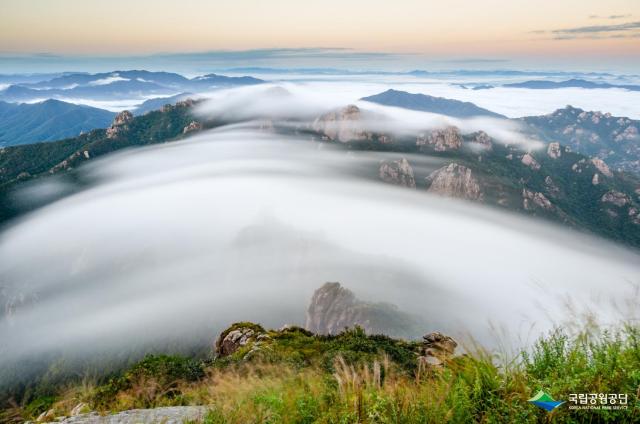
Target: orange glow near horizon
456, 27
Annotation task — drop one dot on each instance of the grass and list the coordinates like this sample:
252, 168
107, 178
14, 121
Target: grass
297, 377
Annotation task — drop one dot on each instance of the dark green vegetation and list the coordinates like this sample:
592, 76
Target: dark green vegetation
561, 189
614, 139
293, 376
23, 164
47, 121
574, 200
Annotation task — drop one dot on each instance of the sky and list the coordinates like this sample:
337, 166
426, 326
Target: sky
541, 31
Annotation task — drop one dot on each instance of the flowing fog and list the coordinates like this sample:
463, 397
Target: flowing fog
184, 238
511, 102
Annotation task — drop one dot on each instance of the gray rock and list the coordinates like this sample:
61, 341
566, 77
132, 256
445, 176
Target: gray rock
553, 150
532, 200
615, 197
334, 308
165, 415
342, 125
530, 161
441, 140
455, 180
397, 172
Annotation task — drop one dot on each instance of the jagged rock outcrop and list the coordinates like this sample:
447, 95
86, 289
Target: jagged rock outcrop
342, 125
334, 308
483, 139
532, 200
397, 172
551, 186
553, 150
602, 167
634, 214
455, 180
595, 134
237, 336
441, 140
615, 197
530, 161
579, 166
437, 349
120, 124
192, 127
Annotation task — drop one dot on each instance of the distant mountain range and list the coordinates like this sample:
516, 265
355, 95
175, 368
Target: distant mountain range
48, 120
426, 103
416, 72
118, 85
572, 83
158, 103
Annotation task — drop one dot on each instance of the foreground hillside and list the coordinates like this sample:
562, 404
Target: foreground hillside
344, 371
294, 376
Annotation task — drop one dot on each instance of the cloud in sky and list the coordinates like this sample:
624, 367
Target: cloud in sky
625, 30
628, 15
599, 28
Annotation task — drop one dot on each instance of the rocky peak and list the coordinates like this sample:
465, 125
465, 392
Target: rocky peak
441, 140
193, 126
334, 308
342, 125
553, 150
567, 110
455, 180
397, 172
120, 124
481, 138
616, 198
122, 118
330, 310
530, 161
532, 200
602, 167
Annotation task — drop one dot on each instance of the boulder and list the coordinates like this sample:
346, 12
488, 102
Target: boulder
441, 140
238, 335
437, 349
397, 172
342, 125
602, 167
532, 200
615, 197
455, 180
530, 161
553, 150
192, 127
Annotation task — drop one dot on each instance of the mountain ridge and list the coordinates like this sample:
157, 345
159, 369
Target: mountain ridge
432, 104
48, 121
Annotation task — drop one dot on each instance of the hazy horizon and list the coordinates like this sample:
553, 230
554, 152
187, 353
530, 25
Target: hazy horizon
195, 35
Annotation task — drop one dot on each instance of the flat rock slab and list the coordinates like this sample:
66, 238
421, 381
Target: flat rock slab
165, 415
